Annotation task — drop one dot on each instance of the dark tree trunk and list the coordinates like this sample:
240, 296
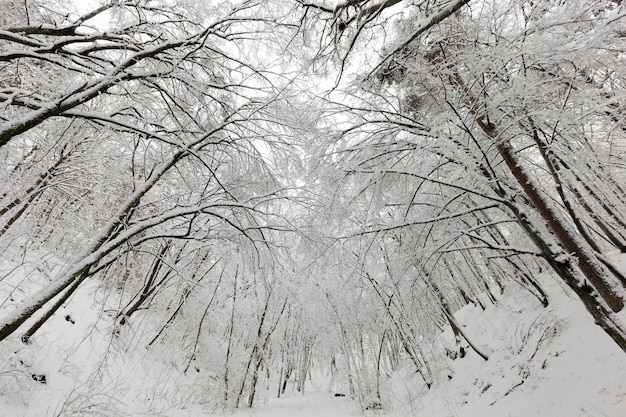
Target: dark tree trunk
590, 268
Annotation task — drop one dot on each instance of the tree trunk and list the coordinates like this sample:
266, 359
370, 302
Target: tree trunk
230, 341
453, 323
411, 347
206, 310
569, 273
590, 268
70, 290
147, 289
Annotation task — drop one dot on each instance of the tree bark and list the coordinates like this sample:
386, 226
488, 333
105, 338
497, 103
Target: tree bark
590, 268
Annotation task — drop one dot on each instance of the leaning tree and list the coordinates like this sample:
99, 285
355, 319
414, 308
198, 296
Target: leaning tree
505, 98
138, 134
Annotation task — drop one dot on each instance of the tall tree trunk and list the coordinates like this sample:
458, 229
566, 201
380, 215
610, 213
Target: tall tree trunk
561, 263
613, 236
379, 357
589, 266
554, 169
229, 346
570, 274
254, 356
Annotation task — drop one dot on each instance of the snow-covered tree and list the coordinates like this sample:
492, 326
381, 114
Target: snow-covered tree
481, 112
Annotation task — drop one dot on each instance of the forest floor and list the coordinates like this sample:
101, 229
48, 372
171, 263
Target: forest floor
309, 404
548, 362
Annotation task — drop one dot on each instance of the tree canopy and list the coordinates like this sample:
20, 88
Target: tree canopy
257, 179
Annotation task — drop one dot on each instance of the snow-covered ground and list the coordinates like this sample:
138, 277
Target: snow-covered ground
543, 362
311, 404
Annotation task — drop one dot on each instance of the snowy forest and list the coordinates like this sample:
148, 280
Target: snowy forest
313, 208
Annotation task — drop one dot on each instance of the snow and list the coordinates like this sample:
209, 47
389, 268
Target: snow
312, 404
575, 371
550, 361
